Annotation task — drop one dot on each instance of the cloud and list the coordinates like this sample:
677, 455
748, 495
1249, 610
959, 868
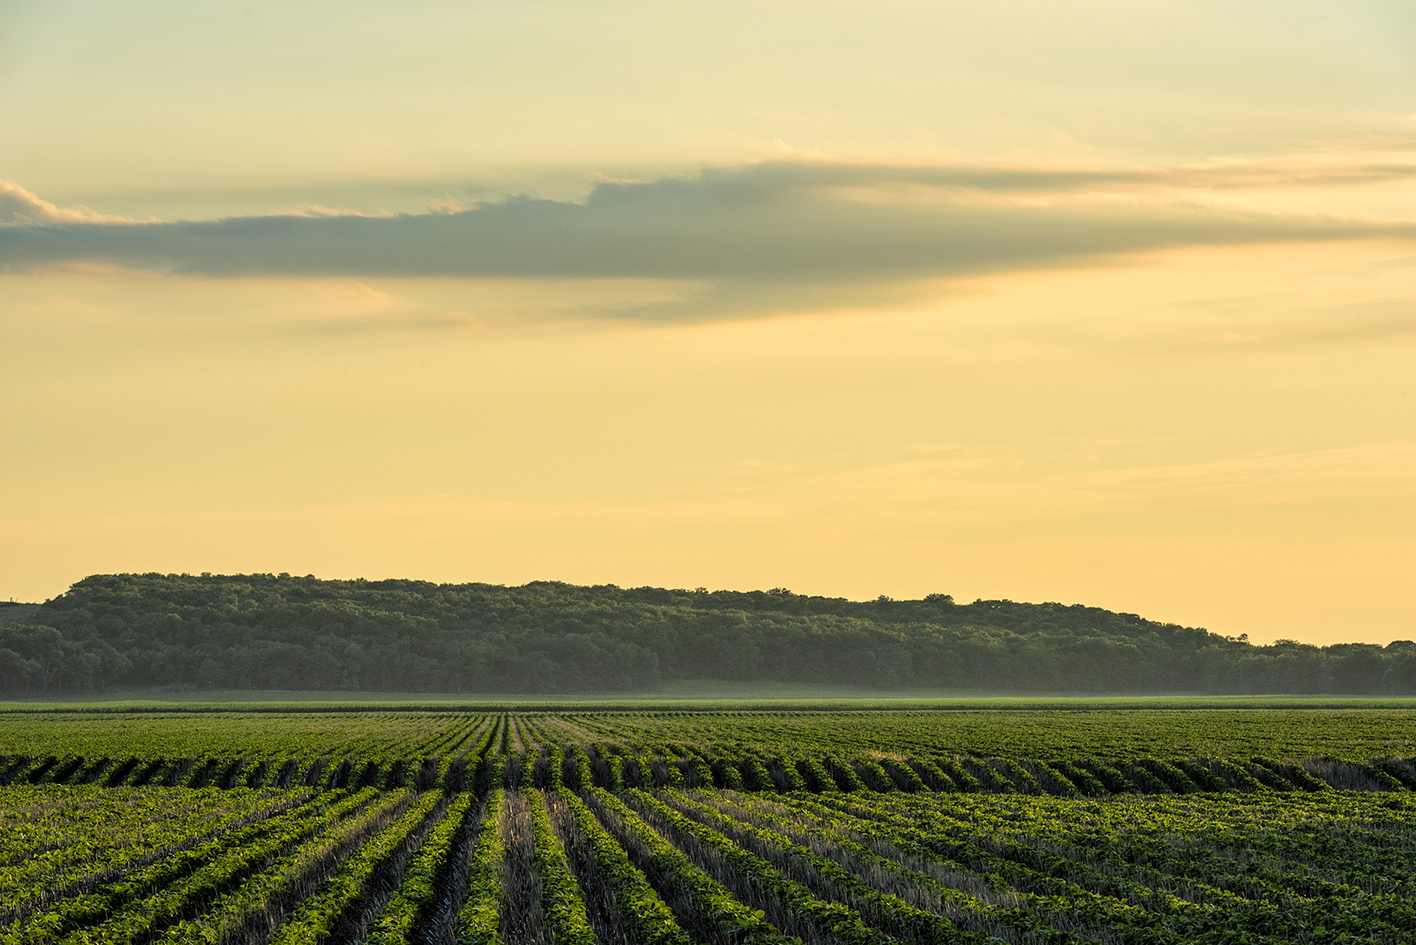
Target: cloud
777, 224
318, 210
19, 207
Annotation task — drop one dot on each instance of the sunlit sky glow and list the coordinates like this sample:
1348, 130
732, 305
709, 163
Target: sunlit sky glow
1095, 302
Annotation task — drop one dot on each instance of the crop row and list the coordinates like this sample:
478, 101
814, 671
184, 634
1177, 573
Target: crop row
1349, 733
480, 766
720, 866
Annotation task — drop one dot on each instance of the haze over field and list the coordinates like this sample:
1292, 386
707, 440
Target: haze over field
1083, 301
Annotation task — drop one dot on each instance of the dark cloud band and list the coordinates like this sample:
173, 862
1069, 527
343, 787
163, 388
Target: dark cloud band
782, 223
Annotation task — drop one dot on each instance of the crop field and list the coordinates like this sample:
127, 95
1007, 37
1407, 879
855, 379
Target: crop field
722, 827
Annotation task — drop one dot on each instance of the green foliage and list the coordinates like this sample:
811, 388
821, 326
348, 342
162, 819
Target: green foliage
876, 777
673, 773
616, 769
643, 770
987, 776
835, 920
264, 631
528, 770
1384, 778
844, 773
639, 905
904, 918
790, 774
561, 899
1054, 781
754, 774
43, 660
1202, 775
479, 920
395, 922
491, 773
702, 770
1143, 778
1248, 848
1402, 774
959, 775
821, 779
316, 917
584, 774
1020, 776
1251, 859
727, 774
1174, 778
935, 777
1237, 776
95, 833
237, 897
781, 751
1300, 777
1115, 781
709, 898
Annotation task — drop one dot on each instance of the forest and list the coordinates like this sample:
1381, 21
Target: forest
278, 632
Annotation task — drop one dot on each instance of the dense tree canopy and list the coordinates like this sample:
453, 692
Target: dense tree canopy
266, 631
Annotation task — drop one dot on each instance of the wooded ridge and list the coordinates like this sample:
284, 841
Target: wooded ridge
265, 631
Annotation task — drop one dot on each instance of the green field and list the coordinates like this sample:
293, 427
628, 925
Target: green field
1064, 821
1343, 730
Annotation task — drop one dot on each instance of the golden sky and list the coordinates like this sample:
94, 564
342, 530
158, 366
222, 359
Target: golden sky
1100, 302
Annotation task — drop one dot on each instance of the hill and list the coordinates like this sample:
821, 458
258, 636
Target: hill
264, 631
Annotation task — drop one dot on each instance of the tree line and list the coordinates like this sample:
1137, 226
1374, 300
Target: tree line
265, 631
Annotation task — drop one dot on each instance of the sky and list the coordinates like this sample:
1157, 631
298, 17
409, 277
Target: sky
1086, 301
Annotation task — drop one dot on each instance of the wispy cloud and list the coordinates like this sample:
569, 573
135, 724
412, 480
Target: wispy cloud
19, 207
319, 211
799, 223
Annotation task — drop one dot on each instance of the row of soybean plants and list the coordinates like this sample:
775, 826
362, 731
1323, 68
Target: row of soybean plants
243, 873
385, 763
250, 771
90, 865
1205, 868
54, 840
854, 739
466, 761
726, 867
872, 868
541, 865
1255, 774
446, 759
675, 765
87, 864
730, 867
389, 867
384, 735
1034, 732
362, 734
